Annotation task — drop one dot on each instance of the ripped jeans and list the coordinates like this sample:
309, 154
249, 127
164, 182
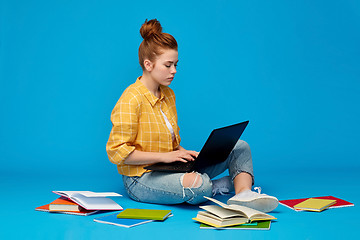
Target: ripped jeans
167, 188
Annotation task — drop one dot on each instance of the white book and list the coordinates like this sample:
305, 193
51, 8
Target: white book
122, 222
92, 200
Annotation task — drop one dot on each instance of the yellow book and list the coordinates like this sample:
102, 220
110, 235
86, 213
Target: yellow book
314, 204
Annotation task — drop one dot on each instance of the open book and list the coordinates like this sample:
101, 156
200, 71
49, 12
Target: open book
92, 200
229, 215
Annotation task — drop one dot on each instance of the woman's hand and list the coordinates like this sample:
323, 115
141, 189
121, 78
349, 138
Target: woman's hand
140, 158
180, 155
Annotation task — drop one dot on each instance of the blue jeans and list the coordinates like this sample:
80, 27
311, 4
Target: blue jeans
167, 188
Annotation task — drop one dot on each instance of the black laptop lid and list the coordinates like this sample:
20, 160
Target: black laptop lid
219, 145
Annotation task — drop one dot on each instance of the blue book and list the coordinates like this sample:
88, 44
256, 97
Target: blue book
122, 222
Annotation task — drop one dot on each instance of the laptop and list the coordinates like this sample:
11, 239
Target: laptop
215, 150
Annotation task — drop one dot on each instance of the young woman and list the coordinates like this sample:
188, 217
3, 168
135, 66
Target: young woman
145, 131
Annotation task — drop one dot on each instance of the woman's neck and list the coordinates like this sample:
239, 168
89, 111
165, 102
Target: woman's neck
151, 85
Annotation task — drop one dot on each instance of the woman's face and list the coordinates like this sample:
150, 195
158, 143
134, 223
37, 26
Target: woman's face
164, 67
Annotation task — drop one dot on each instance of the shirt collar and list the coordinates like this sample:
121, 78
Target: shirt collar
149, 96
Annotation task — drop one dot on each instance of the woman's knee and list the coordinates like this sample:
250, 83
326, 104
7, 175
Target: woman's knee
200, 186
192, 180
242, 146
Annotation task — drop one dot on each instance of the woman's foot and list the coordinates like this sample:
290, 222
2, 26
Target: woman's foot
222, 186
255, 200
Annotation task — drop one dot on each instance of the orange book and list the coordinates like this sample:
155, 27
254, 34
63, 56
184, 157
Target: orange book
64, 204
81, 212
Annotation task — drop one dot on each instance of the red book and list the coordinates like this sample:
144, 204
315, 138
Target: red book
339, 202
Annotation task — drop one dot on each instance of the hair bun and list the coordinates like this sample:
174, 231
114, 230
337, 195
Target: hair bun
150, 28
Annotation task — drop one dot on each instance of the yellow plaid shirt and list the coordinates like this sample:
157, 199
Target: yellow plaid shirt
139, 125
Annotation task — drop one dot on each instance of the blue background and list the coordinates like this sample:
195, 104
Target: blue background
290, 67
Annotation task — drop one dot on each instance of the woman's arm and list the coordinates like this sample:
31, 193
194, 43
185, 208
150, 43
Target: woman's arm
140, 158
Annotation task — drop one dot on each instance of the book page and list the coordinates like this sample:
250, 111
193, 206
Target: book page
88, 193
95, 203
222, 212
251, 213
248, 212
239, 219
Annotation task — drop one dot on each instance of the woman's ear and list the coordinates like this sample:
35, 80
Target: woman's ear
148, 65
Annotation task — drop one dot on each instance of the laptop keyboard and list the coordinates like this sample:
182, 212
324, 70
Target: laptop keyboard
180, 165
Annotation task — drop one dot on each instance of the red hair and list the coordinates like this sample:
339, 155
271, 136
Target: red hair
154, 40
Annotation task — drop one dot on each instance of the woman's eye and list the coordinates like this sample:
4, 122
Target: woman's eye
169, 66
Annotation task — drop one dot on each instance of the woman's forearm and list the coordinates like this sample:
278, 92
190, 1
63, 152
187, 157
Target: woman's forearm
141, 158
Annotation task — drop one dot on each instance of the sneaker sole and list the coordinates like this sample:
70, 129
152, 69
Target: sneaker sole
262, 204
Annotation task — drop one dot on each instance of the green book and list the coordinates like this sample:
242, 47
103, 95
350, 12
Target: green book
261, 225
150, 214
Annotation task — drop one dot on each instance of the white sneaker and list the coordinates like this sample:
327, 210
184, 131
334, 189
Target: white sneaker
255, 200
222, 186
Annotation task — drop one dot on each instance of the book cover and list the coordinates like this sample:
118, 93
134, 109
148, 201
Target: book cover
64, 204
339, 202
82, 212
122, 222
151, 214
261, 225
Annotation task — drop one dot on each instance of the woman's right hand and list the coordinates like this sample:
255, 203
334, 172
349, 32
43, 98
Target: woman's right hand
180, 155
140, 158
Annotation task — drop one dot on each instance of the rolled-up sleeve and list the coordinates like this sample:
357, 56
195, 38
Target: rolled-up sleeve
125, 120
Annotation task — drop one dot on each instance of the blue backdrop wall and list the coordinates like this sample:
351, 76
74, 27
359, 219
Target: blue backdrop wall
290, 67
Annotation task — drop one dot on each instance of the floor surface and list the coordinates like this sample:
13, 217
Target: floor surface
20, 196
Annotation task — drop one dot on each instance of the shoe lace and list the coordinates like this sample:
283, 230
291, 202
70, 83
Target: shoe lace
258, 189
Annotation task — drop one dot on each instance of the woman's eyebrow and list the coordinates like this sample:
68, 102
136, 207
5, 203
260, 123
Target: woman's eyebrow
172, 61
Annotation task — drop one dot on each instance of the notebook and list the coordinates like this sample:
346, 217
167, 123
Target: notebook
215, 150
290, 203
122, 222
149, 214
261, 225
314, 204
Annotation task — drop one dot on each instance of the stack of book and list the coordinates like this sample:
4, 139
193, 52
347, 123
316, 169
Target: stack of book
232, 216
81, 203
131, 217
315, 204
